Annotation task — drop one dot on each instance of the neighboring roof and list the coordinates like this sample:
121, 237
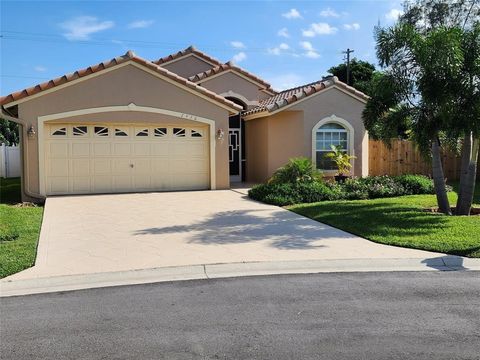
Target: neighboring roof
290, 96
230, 66
190, 50
129, 56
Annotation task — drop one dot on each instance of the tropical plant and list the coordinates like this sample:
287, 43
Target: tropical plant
341, 159
429, 89
9, 133
297, 170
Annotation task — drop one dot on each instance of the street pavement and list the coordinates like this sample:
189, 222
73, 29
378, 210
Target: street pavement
370, 315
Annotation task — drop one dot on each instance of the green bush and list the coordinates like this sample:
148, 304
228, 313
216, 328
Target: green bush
297, 170
416, 184
370, 187
289, 194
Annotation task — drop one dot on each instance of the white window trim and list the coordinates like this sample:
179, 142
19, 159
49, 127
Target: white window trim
130, 107
350, 138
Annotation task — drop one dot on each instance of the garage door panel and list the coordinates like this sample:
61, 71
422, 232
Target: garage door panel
58, 185
81, 184
102, 184
142, 149
58, 150
102, 166
102, 149
128, 158
58, 167
121, 149
81, 149
121, 167
122, 183
160, 148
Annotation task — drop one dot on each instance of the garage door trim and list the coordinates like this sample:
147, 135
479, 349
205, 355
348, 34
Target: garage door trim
131, 107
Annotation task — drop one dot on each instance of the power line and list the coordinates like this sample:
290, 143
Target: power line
59, 39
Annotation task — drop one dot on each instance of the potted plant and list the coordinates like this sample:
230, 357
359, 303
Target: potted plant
342, 161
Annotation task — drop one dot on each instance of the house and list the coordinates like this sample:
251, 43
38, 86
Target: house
182, 122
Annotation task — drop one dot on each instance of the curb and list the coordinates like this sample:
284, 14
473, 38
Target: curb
216, 271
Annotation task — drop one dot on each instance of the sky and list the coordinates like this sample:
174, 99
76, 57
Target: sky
287, 43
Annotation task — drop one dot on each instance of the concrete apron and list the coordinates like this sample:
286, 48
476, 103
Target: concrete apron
213, 271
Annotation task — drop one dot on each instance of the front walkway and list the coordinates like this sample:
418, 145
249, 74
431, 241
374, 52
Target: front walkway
121, 232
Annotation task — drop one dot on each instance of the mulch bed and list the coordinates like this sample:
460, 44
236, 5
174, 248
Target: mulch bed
475, 211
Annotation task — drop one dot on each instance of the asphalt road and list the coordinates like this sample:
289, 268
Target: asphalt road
424, 315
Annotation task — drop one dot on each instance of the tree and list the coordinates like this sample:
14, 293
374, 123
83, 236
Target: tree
361, 73
9, 133
428, 85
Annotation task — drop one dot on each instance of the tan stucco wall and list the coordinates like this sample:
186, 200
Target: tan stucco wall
122, 86
229, 81
288, 133
188, 66
256, 143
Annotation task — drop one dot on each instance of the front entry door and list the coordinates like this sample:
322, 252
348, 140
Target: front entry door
234, 154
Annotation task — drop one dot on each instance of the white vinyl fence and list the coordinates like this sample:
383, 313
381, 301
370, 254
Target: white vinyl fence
9, 161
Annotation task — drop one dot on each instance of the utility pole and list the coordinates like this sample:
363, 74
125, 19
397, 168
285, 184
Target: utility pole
348, 52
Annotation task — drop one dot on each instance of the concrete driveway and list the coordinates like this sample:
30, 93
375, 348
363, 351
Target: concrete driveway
106, 233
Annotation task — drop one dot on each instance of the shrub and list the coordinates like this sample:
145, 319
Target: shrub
297, 170
416, 184
289, 194
282, 194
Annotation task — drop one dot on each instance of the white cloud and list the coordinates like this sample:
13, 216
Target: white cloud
310, 51
292, 14
329, 12
285, 81
140, 24
312, 54
81, 27
353, 26
40, 68
319, 29
283, 32
279, 49
393, 14
237, 44
239, 57
306, 45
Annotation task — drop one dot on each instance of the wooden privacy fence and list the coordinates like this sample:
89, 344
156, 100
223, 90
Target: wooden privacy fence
404, 158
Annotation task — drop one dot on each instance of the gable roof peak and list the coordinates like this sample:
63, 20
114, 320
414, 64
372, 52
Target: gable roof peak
292, 95
128, 57
191, 50
130, 54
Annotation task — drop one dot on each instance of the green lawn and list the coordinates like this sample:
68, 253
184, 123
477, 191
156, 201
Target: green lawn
19, 229
401, 221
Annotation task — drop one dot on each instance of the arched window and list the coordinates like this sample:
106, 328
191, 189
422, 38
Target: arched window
329, 134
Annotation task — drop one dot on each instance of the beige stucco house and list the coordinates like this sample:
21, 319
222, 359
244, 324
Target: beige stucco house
183, 122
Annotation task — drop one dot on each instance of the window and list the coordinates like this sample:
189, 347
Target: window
120, 132
179, 132
160, 132
80, 131
101, 131
326, 136
143, 132
196, 133
60, 132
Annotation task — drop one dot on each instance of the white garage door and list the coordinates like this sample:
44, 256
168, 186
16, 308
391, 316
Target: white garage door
82, 159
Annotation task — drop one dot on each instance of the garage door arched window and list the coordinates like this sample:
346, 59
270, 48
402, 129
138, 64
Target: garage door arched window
328, 132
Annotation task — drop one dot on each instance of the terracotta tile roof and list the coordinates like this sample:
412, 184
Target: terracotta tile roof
129, 56
187, 51
292, 95
230, 66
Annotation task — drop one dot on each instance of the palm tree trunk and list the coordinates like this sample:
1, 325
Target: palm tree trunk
465, 160
439, 179
468, 177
